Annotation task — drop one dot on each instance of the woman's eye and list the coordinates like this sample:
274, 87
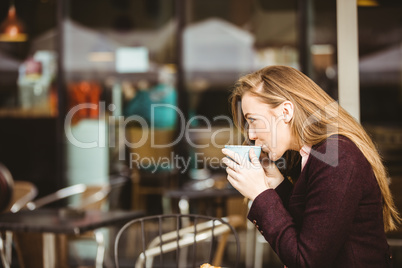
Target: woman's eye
251, 120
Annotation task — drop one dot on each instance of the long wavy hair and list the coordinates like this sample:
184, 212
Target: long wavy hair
316, 117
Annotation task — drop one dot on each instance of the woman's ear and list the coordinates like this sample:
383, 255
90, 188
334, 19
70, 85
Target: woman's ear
287, 109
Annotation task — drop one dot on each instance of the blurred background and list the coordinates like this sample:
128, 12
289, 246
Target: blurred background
119, 57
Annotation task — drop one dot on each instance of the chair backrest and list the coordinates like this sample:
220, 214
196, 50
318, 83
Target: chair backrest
58, 195
23, 193
167, 241
6, 187
94, 197
90, 196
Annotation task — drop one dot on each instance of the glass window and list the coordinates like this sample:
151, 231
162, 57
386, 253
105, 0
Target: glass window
119, 60
223, 40
380, 49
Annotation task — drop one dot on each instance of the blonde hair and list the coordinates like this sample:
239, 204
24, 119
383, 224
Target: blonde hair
275, 84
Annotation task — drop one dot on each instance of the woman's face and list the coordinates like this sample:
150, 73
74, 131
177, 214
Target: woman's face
268, 126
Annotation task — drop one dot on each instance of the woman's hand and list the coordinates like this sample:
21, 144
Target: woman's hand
273, 176
249, 178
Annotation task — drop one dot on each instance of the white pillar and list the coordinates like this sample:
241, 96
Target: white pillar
348, 56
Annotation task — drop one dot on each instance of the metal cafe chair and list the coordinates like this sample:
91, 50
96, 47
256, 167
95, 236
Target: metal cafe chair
20, 193
89, 197
23, 193
163, 241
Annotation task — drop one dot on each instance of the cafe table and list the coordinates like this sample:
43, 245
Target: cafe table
213, 198
53, 221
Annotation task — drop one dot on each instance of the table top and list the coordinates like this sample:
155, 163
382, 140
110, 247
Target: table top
58, 221
207, 193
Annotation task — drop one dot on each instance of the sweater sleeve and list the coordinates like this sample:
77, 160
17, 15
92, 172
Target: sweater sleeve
331, 200
284, 190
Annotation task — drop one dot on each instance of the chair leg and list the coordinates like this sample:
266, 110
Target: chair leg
49, 248
3, 255
62, 251
9, 246
100, 252
220, 250
250, 244
259, 250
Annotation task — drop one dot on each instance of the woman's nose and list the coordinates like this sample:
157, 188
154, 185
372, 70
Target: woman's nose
252, 135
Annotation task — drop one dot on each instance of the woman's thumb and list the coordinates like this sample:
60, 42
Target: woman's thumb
253, 157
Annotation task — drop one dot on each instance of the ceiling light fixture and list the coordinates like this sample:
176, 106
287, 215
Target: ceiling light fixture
367, 3
12, 29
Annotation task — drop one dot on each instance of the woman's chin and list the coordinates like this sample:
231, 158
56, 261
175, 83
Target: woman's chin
273, 156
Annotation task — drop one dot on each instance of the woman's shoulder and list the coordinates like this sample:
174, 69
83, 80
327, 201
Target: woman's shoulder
337, 141
338, 149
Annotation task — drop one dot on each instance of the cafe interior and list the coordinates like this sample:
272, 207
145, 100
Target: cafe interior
113, 114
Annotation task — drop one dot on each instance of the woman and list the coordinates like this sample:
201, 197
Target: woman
337, 211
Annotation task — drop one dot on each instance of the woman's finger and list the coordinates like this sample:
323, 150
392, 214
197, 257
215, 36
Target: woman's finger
228, 153
233, 155
230, 163
253, 157
231, 180
231, 173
